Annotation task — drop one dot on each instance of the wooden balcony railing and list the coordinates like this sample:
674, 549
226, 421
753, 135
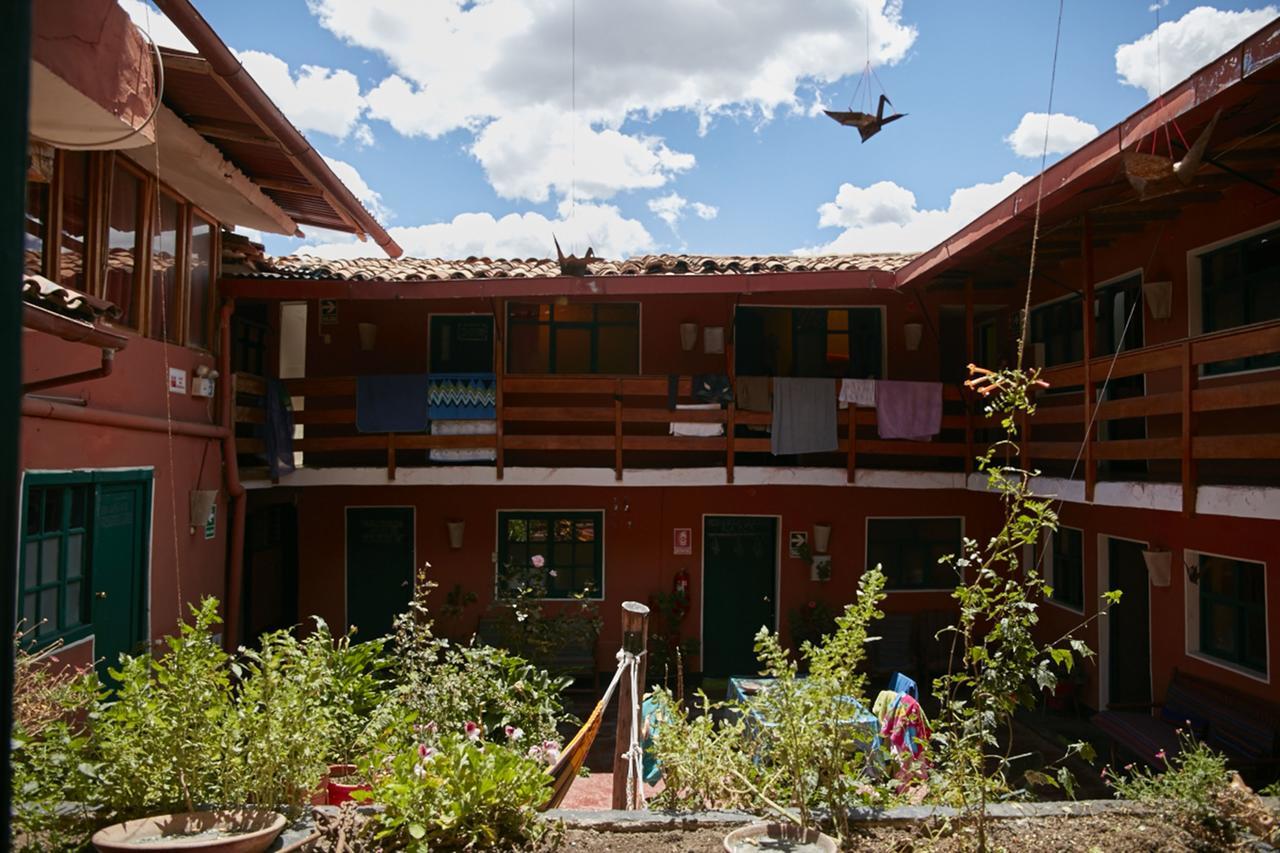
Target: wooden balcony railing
598, 421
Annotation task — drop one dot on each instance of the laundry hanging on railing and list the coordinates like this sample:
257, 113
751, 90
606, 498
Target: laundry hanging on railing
395, 402
910, 410
462, 396
753, 394
463, 454
804, 416
278, 432
858, 392
689, 428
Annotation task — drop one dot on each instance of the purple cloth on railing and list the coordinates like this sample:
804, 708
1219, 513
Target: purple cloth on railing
910, 410
395, 402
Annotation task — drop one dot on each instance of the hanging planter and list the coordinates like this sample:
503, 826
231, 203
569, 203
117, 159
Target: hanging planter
1159, 298
911, 335
821, 537
456, 529
1159, 566
230, 831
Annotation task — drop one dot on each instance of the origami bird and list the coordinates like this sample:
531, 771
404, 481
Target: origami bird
571, 264
868, 125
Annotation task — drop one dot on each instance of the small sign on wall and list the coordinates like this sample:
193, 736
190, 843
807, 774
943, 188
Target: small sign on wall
211, 526
682, 541
328, 312
797, 543
177, 380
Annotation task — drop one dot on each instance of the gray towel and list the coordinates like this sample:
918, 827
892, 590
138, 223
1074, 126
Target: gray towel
804, 416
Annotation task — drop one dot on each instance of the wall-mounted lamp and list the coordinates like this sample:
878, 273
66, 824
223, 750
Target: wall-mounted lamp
1159, 566
455, 533
368, 336
688, 336
1159, 298
821, 537
911, 335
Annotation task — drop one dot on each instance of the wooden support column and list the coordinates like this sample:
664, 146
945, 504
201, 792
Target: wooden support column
635, 639
1087, 329
1189, 380
969, 359
731, 423
391, 456
617, 430
851, 459
499, 372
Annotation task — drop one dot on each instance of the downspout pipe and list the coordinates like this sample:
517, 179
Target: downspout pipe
225, 65
100, 372
235, 489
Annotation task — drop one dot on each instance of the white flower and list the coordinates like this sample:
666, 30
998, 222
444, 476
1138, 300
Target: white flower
514, 733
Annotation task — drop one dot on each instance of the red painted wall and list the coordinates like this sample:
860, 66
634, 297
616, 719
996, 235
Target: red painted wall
138, 385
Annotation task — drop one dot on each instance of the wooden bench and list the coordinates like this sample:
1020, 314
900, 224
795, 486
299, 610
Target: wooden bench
575, 660
1245, 729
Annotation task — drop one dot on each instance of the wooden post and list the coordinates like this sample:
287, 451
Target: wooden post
1188, 427
499, 373
1087, 329
731, 370
851, 460
617, 430
969, 359
635, 639
391, 456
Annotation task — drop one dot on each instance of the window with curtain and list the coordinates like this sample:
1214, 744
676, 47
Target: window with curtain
73, 175
1233, 611
121, 282
1239, 286
570, 544
1067, 578
600, 337
200, 247
812, 342
166, 268
908, 550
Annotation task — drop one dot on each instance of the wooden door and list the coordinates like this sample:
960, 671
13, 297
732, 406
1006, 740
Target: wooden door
1129, 640
739, 564
118, 570
379, 567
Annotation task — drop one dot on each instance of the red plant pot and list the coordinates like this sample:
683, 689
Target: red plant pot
340, 792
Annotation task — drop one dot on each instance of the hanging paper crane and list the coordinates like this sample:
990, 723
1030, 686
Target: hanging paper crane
571, 264
1151, 174
868, 125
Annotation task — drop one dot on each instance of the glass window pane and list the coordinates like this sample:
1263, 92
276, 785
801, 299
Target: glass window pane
36, 227
522, 311
1222, 630
528, 348
619, 350
31, 564
201, 252
74, 173
563, 554
837, 320
52, 509
537, 530
48, 612
564, 530
49, 551
35, 503
584, 554
29, 615
79, 499
75, 555
574, 313
72, 615
618, 312
516, 530
573, 350
586, 530
122, 243
164, 272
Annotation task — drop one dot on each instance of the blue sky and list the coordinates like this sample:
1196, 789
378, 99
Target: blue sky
695, 119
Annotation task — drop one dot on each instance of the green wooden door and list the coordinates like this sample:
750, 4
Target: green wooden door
379, 566
118, 570
739, 566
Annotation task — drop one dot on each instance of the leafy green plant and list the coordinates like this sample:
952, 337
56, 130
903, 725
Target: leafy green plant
456, 791
1002, 665
532, 629
668, 648
352, 686
810, 622
1193, 788
704, 755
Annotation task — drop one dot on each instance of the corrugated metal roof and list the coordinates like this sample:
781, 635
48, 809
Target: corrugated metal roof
438, 269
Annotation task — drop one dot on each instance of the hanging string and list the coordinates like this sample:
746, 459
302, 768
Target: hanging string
1035, 228
573, 110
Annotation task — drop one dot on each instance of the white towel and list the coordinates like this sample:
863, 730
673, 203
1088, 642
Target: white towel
700, 430
460, 454
860, 392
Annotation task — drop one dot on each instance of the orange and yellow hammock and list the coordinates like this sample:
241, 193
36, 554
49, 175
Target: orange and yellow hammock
574, 754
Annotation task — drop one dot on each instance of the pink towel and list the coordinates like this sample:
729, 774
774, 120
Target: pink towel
910, 410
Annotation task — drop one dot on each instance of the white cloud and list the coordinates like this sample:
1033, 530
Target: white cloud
884, 217
152, 20
317, 98
671, 209
516, 235
1066, 133
529, 152
363, 135
371, 199
1198, 37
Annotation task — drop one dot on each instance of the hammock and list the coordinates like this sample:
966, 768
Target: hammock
574, 754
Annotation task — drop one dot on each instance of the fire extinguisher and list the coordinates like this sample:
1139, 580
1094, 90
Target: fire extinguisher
680, 592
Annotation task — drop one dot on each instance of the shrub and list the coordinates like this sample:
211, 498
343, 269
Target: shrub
702, 760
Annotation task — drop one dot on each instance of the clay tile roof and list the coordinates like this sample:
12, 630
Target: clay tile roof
40, 291
437, 269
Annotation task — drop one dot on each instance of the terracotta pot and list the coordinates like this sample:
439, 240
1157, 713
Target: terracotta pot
340, 792
778, 836
248, 831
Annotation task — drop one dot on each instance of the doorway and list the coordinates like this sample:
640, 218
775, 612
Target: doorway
1128, 626
270, 600
380, 558
739, 571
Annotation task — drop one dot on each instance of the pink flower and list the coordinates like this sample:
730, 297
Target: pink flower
551, 751
513, 733
472, 730
425, 753
538, 561
1160, 755
551, 572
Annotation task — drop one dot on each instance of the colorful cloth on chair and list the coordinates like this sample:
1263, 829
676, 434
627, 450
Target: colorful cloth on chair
462, 396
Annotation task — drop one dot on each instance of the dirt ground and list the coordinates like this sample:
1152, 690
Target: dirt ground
1044, 835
